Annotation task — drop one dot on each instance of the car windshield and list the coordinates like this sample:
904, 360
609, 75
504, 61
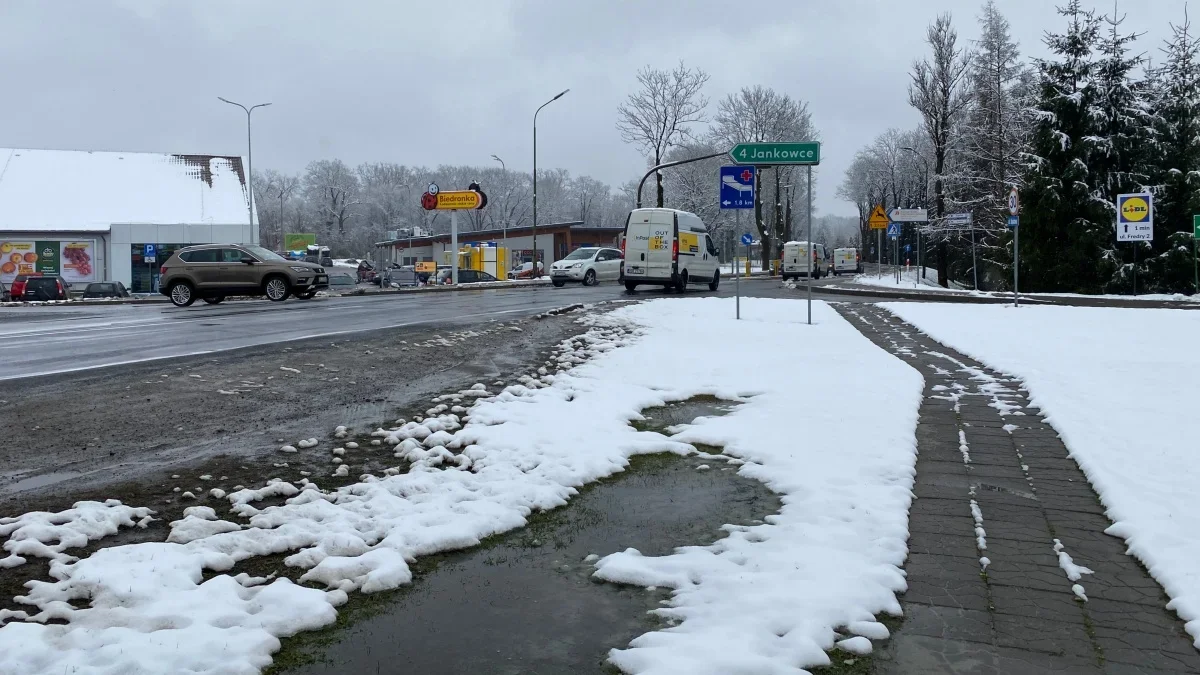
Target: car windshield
581, 254
263, 254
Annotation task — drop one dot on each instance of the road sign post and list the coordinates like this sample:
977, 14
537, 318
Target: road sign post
1014, 213
1135, 223
1195, 258
747, 240
812, 249
435, 199
770, 154
736, 187
878, 221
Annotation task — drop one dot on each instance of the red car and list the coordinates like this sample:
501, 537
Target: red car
37, 288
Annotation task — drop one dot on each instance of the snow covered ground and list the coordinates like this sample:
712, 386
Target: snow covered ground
1119, 385
909, 279
766, 599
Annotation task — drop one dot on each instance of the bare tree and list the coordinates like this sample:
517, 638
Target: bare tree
331, 190
757, 114
938, 91
658, 116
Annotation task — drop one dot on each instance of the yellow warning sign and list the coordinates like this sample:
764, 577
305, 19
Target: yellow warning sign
878, 219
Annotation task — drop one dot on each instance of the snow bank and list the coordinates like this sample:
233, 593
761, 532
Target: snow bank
1119, 386
909, 279
767, 598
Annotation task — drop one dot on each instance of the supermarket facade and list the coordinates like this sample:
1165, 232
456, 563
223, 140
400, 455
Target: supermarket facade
115, 216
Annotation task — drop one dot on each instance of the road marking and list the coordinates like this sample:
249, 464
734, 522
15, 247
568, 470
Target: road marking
127, 362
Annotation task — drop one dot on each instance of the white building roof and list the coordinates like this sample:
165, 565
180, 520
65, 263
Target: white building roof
85, 191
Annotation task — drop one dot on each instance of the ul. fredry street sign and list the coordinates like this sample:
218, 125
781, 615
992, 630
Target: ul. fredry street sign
767, 154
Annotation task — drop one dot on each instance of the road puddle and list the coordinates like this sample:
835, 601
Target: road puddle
525, 602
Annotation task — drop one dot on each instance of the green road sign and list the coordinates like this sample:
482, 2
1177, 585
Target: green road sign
776, 153
1196, 227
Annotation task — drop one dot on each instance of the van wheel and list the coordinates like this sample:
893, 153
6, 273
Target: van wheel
681, 282
181, 294
712, 285
215, 300
559, 283
630, 286
276, 288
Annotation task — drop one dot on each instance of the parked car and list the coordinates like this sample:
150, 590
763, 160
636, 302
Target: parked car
525, 271
588, 265
105, 289
39, 288
340, 281
464, 276
669, 248
213, 272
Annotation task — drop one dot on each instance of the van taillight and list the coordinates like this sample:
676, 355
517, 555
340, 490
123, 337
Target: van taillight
622, 247
675, 250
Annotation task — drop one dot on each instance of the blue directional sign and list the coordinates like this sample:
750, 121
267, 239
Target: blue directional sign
737, 187
1013, 221
907, 248
894, 230
747, 239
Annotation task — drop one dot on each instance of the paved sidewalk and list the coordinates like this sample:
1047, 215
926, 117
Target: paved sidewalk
988, 584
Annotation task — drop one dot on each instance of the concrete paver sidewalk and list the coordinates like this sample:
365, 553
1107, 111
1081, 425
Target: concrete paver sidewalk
1002, 518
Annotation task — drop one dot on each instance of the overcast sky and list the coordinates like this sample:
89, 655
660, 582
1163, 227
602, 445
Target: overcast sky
412, 83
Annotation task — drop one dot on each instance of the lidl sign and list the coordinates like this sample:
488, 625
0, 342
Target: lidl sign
1135, 217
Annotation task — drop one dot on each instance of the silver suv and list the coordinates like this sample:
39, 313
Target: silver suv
213, 272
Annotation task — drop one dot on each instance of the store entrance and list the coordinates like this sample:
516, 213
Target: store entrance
144, 277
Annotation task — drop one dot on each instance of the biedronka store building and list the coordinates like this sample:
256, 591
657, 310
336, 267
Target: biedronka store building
115, 216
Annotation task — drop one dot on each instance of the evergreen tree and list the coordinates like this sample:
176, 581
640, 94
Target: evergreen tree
1065, 228
1122, 146
1175, 175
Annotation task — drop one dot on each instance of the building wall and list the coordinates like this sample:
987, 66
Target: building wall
124, 238
553, 245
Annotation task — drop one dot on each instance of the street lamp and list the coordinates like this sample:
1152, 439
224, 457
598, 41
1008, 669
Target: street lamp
249, 163
504, 219
535, 114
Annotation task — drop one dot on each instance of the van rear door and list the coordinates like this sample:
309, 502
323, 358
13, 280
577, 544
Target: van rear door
648, 240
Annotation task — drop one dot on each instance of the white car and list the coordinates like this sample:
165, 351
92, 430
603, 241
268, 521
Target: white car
587, 265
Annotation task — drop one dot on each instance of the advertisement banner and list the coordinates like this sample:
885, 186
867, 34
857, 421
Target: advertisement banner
47, 262
298, 241
78, 261
17, 257
73, 260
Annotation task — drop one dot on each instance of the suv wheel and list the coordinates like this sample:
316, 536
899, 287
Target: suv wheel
215, 300
589, 279
276, 288
181, 294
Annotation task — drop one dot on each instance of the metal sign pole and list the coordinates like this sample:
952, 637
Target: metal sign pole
974, 264
879, 257
1016, 265
1135, 248
737, 277
454, 249
812, 248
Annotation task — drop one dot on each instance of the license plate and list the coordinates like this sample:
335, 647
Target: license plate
634, 270
559, 273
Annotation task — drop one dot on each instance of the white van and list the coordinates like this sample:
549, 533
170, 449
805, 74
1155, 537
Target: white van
845, 260
795, 265
668, 248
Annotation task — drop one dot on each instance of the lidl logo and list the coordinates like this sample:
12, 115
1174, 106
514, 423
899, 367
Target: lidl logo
1135, 209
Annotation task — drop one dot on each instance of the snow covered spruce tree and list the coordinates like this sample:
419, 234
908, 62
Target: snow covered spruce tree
1175, 174
939, 92
1123, 144
995, 136
1066, 229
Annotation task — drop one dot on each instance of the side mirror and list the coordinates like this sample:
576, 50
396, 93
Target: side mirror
248, 260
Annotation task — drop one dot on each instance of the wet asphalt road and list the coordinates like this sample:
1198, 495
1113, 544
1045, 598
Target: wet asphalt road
39, 341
